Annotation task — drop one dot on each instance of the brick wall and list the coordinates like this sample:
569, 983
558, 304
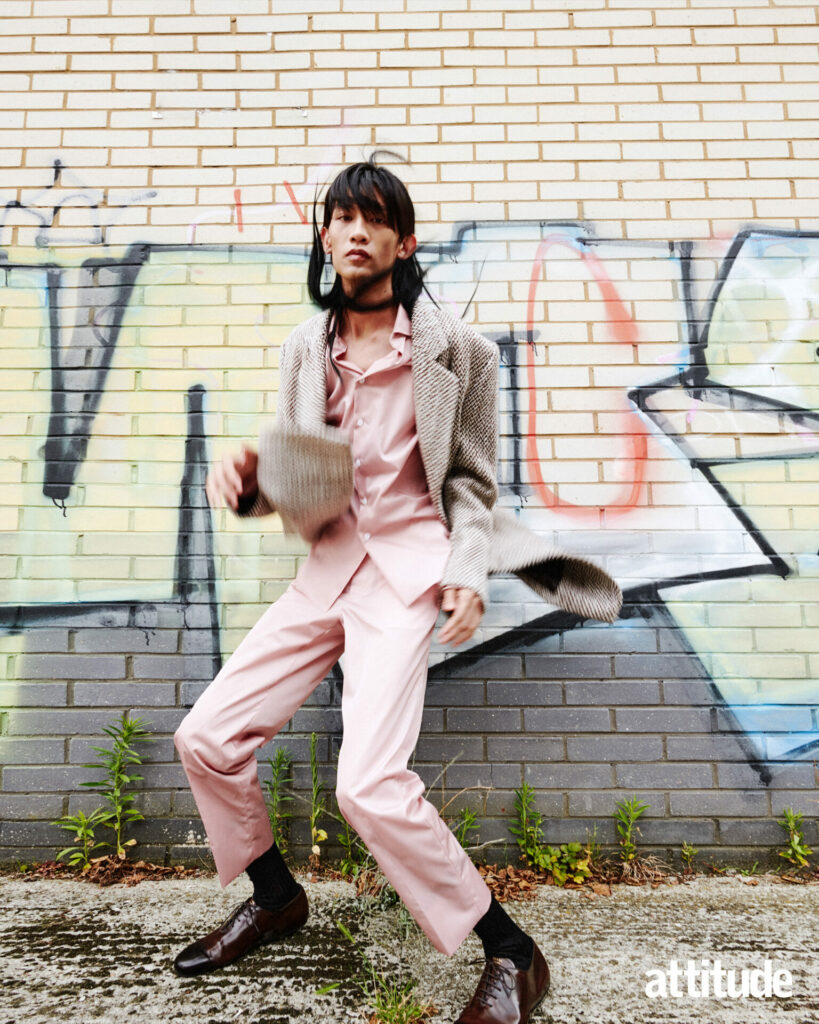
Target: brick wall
628, 188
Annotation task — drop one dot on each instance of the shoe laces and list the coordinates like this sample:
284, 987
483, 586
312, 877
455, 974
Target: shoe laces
496, 977
241, 908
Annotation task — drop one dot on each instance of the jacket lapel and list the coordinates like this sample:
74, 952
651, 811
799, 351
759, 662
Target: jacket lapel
435, 391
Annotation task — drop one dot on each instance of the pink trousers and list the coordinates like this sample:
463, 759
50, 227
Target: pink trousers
278, 664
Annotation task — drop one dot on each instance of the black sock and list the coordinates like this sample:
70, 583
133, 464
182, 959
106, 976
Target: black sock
273, 885
502, 937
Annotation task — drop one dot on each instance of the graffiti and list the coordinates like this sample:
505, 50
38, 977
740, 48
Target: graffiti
159, 357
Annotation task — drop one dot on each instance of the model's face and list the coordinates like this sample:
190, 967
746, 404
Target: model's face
363, 246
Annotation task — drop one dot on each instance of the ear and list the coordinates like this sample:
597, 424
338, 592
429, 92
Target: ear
407, 247
325, 241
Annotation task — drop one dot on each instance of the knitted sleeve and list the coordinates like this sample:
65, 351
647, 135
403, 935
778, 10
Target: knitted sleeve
470, 489
257, 504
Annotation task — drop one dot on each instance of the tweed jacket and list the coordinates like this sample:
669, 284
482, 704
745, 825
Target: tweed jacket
305, 466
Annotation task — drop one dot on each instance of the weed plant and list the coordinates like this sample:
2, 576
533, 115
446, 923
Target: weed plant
124, 732
797, 851
83, 829
317, 804
627, 812
569, 862
392, 1002
280, 818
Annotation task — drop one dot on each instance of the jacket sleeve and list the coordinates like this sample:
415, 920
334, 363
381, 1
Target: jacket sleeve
258, 505
470, 490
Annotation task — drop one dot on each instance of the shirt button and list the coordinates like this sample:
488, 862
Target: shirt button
366, 536
359, 422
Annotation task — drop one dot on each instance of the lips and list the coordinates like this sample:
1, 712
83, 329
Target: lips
358, 252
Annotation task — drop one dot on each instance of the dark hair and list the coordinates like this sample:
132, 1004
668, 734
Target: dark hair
358, 185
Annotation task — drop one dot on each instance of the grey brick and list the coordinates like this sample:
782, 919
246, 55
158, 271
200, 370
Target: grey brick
14, 833
172, 666
656, 666
613, 692
462, 693
614, 747
192, 641
45, 639
798, 719
568, 666
664, 776
527, 693
690, 692
317, 720
675, 830
500, 803
440, 749
715, 747
797, 801
500, 776
432, 720
25, 751
158, 720
603, 802
124, 694
673, 640
190, 692
784, 776
568, 776
483, 720
125, 640
525, 748
183, 804
714, 803
622, 639
65, 722
579, 830
30, 806
160, 750
161, 776
567, 720
296, 745
192, 855
150, 802
321, 696
738, 832
11, 855
71, 666
33, 695
663, 719
45, 779
491, 666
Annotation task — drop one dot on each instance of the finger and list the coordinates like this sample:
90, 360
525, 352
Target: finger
232, 473
227, 491
212, 491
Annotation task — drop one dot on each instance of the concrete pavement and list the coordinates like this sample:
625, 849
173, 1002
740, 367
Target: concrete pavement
76, 953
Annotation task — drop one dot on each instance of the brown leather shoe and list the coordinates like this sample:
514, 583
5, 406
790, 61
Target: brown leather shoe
248, 926
506, 994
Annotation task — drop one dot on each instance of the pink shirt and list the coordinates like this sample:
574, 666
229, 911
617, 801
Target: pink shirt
391, 515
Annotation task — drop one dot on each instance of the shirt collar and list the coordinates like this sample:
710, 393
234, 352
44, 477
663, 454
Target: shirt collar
401, 331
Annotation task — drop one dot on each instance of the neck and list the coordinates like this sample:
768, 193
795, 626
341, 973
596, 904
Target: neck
369, 311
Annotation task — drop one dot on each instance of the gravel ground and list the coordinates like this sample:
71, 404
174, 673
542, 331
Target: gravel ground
77, 953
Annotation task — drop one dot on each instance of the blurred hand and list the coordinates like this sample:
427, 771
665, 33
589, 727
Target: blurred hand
467, 611
233, 478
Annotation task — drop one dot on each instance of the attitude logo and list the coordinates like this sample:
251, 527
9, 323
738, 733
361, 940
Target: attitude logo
711, 979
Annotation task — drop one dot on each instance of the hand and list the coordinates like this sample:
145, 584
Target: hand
232, 478
467, 609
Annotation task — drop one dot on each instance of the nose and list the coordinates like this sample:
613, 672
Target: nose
359, 228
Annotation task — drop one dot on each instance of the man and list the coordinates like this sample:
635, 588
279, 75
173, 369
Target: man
412, 540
